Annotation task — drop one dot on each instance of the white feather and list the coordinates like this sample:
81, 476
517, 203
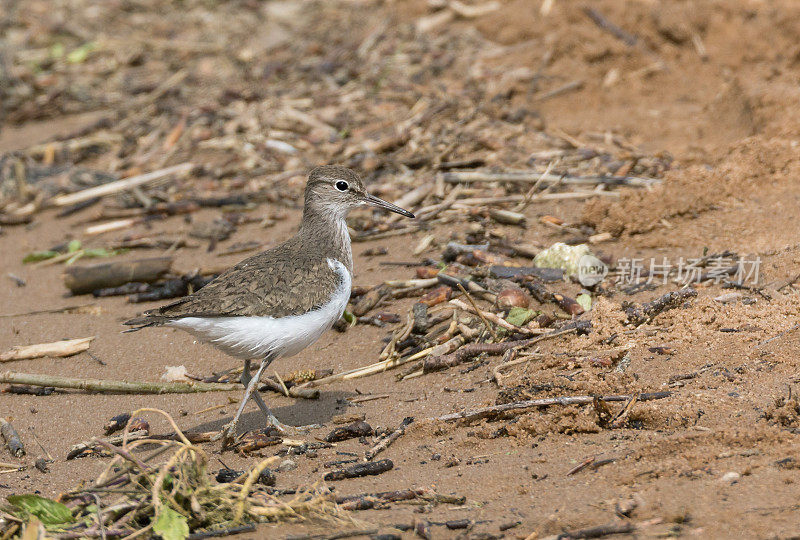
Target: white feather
255, 337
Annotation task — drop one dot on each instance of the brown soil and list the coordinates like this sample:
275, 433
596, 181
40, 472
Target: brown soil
730, 120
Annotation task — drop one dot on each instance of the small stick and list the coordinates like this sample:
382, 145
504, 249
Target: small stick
120, 185
596, 532
795, 327
580, 466
77, 449
534, 188
408, 283
499, 321
296, 391
568, 195
212, 408
122, 387
477, 310
11, 436
438, 363
522, 406
83, 308
364, 399
387, 441
363, 237
283, 385
563, 89
496, 372
531, 176
59, 349
600, 20
120, 452
622, 416
18, 281
384, 365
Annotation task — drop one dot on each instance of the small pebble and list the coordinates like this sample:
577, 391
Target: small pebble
730, 477
287, 465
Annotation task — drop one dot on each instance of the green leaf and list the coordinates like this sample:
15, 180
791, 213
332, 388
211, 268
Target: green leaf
77, 255
37, 256
49, 512
73, 246
519, 316
350, 318
80, 54
585, 300
102, 252
171, 525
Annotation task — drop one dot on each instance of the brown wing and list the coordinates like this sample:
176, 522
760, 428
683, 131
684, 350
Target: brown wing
280, 282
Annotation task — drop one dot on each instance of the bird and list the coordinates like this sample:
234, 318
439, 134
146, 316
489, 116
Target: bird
278, 302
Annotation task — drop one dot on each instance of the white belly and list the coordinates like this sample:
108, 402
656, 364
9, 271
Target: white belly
255, 337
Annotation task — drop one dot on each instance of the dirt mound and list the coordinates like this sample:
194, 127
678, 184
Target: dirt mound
749, 167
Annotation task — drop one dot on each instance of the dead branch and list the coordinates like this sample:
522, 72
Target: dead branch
120, 185
638, 316
388, 440
531, 176
121, 387
522, 406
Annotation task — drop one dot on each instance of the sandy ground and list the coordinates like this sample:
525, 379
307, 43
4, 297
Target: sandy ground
729, 119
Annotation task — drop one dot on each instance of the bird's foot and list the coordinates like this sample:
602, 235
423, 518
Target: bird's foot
227, 434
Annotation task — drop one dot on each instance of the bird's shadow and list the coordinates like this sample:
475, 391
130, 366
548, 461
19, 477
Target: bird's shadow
302, 412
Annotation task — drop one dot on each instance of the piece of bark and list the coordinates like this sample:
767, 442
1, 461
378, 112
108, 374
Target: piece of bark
420, 312
59, 349
369, 468
85, 279
369, 300
11, 436
436, 296
358, 428
116, 423
30, 390
254, 441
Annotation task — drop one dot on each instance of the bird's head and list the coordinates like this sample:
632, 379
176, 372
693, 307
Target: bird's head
338, 190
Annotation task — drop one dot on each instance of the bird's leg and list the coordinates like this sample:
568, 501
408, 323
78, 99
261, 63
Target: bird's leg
256, 396
245, 378
271, 417
229, 431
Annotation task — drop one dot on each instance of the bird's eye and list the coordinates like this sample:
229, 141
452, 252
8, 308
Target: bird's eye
341, 185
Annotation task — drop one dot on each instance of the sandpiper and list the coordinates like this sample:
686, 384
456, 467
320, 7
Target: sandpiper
277, 303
